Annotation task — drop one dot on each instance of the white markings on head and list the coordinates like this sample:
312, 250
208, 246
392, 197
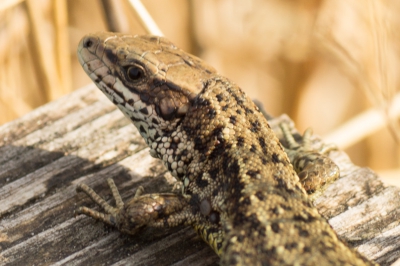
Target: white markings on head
120, 87
109, 38
139, 105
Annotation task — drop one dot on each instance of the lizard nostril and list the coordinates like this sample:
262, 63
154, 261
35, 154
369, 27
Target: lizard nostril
87, 43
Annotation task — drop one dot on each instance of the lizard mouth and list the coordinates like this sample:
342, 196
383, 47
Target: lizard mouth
90, 53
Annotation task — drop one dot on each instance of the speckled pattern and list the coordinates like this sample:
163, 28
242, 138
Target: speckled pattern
239, 189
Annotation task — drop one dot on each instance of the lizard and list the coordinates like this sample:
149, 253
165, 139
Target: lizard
239, 190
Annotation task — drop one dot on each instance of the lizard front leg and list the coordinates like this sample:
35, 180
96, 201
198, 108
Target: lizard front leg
315, 170
152, 210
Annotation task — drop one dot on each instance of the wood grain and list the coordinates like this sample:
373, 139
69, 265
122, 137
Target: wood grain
82, 138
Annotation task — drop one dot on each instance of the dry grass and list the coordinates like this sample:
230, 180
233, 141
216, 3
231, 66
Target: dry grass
325, 63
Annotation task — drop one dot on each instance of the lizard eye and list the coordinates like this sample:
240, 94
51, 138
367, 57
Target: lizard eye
134, 73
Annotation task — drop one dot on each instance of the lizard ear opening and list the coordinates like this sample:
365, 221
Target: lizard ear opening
167, 108
173, 106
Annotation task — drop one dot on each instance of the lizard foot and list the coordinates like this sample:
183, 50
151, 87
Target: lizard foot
314, 168
156, 210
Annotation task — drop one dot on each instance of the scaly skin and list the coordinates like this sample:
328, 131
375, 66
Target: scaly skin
240, 191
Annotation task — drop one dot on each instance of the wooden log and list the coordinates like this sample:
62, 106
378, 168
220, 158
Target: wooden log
83, 138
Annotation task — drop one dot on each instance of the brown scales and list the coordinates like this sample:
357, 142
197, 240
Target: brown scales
240, 191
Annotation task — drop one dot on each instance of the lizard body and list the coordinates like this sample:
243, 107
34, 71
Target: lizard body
240, 192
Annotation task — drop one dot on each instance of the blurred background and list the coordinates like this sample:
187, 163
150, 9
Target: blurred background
333, 65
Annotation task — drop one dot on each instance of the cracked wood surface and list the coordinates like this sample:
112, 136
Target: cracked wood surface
83, 138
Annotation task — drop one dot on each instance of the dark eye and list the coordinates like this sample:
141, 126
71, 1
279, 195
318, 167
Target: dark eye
134, 73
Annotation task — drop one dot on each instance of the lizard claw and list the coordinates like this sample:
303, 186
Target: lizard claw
111, 214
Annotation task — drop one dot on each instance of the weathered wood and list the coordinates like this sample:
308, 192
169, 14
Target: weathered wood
82, 138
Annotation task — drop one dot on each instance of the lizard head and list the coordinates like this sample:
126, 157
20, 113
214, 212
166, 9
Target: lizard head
152, 81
